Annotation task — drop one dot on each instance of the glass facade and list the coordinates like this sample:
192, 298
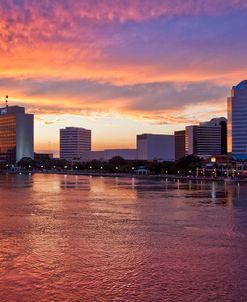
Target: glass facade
8, 138
237, 120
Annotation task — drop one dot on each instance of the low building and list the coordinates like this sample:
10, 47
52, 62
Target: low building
128, 154
92, 155
42, 156
159, 147
105, 155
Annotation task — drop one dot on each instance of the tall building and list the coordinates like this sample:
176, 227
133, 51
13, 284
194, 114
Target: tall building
208, 138
16, 134
237, 121
179, 144
155, 147
221, 122
73, 142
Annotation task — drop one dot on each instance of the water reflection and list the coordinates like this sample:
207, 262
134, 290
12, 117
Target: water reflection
213, 192
75, 238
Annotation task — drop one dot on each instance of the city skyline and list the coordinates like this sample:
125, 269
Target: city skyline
113, 65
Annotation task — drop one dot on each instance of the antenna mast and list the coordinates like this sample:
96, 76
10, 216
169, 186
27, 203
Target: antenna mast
6, 101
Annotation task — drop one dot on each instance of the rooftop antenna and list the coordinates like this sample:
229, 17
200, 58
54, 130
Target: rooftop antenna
6, 101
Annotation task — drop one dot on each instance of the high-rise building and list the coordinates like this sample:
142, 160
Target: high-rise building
73, 142
208, 138
155, 147
179, 144
16, 134
237, 121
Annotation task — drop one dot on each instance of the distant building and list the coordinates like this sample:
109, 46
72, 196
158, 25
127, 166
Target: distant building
16, 134
159, 147
43, 156
92, 155
179, 144
105, 155
208, 138
128, 154
237, 121
74, 141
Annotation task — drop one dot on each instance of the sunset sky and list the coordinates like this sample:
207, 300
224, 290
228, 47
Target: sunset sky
120, 67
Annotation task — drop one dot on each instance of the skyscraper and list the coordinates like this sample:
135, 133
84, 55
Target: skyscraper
237, 121
16, 134
208, 138
73, 142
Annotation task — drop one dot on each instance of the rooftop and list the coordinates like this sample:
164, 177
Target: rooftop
241, 85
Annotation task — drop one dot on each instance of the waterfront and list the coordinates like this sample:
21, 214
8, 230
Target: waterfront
79, 238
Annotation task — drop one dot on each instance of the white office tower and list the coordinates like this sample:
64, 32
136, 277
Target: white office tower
207, 138
237, 121
73, 142
16, 134
156, 147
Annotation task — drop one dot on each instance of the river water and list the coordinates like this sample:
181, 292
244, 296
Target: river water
76, 238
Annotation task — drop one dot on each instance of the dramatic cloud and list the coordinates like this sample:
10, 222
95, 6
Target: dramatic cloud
80, 95
168, 62
123, 40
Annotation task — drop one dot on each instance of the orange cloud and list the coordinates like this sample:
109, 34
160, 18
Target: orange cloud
96, 40
162, 62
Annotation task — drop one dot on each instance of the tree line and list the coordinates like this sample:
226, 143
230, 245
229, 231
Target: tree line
118, 164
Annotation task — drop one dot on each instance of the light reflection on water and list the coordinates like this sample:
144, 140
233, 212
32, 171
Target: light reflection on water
75, 238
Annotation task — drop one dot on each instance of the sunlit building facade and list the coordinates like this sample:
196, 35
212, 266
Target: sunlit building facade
237, 121
16, 134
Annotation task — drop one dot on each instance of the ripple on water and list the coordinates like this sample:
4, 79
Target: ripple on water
105, 239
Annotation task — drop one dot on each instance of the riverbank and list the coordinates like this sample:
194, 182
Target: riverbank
131, 175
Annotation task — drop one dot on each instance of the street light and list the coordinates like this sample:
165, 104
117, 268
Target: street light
213, 159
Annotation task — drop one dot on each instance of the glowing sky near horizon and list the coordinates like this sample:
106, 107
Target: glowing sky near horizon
120, 67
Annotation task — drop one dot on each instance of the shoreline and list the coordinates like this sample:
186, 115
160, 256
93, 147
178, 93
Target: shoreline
130, 175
